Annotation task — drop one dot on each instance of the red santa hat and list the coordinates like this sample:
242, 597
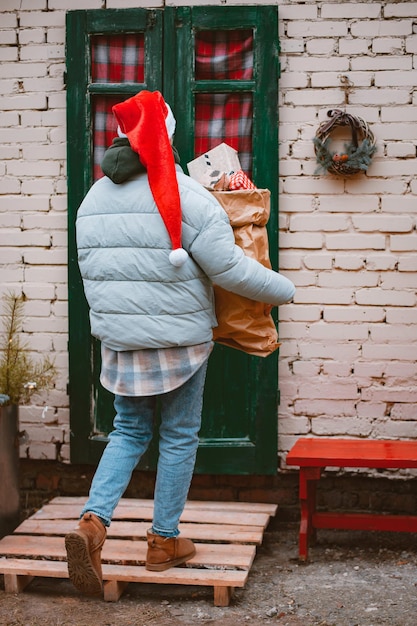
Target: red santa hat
149, 124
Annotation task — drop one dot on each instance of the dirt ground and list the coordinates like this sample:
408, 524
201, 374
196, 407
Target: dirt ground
352, 579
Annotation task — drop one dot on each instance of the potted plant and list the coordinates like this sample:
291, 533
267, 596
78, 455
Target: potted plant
20, 378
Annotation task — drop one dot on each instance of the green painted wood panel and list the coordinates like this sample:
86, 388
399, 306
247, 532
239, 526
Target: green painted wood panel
239, 432
91, 410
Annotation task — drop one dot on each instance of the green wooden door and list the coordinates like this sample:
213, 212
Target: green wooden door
239, 431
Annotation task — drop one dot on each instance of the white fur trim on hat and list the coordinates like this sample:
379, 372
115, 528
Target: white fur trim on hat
119, 132
170, 121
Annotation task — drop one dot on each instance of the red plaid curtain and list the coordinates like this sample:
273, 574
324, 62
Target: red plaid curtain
104, 129
117, 58
225, 118
114, 59
224, 55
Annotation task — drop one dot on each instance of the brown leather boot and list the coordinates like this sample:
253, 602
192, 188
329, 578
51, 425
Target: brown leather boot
165, 552
83, 547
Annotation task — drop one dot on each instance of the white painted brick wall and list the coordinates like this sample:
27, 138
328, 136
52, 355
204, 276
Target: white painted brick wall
347, 361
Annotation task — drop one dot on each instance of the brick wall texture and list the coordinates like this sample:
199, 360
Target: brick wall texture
349, 342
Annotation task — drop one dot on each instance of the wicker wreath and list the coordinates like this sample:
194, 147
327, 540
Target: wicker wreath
357, 154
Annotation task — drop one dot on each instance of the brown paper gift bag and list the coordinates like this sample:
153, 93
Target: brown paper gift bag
245, 324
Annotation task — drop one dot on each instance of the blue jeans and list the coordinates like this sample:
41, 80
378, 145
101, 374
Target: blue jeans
178, 442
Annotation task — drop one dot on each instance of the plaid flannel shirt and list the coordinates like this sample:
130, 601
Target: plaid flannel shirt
150, 372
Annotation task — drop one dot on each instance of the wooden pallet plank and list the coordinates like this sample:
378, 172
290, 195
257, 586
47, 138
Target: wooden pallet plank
197, 532
65, 511
126, 551
177, 575
132, 512
131, 573
202, 516
33, 567
250, 507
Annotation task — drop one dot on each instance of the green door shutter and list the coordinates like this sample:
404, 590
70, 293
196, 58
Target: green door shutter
91, 410
239, 431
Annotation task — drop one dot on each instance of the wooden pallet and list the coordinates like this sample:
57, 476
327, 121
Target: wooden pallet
226, 535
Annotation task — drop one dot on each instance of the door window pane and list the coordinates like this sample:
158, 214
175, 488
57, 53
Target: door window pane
224, 55
104, 129
117, 58
225, 117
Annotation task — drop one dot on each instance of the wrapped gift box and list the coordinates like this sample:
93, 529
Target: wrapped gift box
209, 167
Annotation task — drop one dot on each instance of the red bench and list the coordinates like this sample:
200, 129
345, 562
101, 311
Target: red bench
314, 454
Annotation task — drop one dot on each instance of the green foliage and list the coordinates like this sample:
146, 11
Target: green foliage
358, 157
20, 376
323, 156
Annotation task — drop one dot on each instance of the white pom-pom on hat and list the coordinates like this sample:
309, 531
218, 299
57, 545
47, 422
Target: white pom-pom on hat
178, 257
